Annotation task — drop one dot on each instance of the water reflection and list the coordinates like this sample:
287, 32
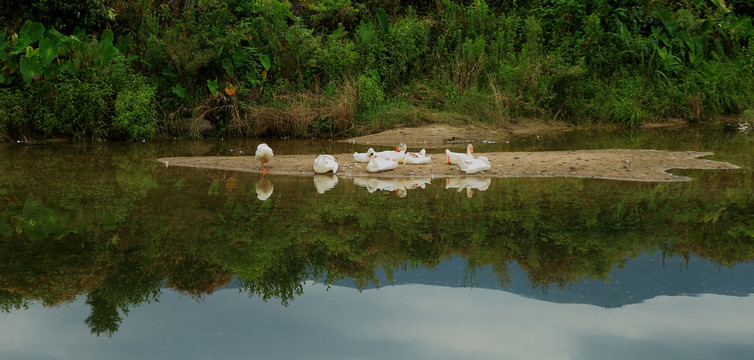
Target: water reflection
108, 229
264, 188
325, 182
468, 184
437, 323
398, 185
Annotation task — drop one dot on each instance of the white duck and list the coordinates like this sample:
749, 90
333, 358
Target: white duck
455, 158
363, 157
397, 155
417, 158
475, 166
324, 164
325, 182
263, 155
378, 164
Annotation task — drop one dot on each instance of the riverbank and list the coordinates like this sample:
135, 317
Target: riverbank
630, 165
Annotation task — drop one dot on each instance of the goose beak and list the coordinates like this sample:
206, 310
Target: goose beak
396, 149
471, 148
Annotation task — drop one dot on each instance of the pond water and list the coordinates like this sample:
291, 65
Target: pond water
106, 253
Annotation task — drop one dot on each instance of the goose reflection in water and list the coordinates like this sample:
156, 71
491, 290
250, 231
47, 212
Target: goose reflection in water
399, 186
264, 188
468, 183
325, 182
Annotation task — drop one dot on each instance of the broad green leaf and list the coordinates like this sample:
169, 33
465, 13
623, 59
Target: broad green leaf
30, 67
265, 60
106, 54
330, 89
169, 73
382, 17
228, 66
30, 33
375, 75
365, 32
48, 50
668, 21
107, 38
212, 86
123, 44
178, 90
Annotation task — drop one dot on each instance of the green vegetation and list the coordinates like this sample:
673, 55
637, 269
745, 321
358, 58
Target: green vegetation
130, 69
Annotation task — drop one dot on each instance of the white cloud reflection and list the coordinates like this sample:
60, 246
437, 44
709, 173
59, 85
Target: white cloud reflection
396, 322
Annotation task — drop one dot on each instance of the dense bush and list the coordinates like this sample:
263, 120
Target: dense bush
150, 63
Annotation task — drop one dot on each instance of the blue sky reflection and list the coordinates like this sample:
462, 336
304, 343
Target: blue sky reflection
406, 321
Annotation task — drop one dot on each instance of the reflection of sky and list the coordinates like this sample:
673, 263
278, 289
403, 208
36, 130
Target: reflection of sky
395, 322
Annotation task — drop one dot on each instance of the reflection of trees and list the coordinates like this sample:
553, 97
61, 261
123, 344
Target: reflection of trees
119, 236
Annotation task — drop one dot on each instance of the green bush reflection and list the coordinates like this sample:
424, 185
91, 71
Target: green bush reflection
119, 228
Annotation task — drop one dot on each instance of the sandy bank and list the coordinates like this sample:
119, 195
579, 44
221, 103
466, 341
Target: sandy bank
632, 165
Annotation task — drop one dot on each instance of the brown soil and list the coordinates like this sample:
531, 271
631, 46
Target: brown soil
438, 135
635, 165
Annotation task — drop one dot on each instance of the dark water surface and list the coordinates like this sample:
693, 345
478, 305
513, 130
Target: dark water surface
105, 253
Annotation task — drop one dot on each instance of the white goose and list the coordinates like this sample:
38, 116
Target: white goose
324, 164
263, 155
378, 164
475, 166
397, 155
417, 158
455, 158
363, 157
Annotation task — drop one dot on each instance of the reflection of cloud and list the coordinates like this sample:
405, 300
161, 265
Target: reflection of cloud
393, 322
325, 182
468, 183
399, 185
264, 188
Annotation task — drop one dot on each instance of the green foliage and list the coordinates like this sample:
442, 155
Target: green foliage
135, 111
80, 108
337, 57
370, 93
545, 59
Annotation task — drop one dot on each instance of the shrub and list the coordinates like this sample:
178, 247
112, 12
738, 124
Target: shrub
370, 93
135, 110
337, 57
80, 108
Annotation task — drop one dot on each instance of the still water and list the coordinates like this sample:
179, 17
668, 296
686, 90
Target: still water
106, 253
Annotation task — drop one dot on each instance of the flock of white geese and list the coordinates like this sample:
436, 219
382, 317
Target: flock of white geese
378, 161
384, 161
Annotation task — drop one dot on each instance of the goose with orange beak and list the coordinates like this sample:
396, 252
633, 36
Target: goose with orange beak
397, 155
455, 158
